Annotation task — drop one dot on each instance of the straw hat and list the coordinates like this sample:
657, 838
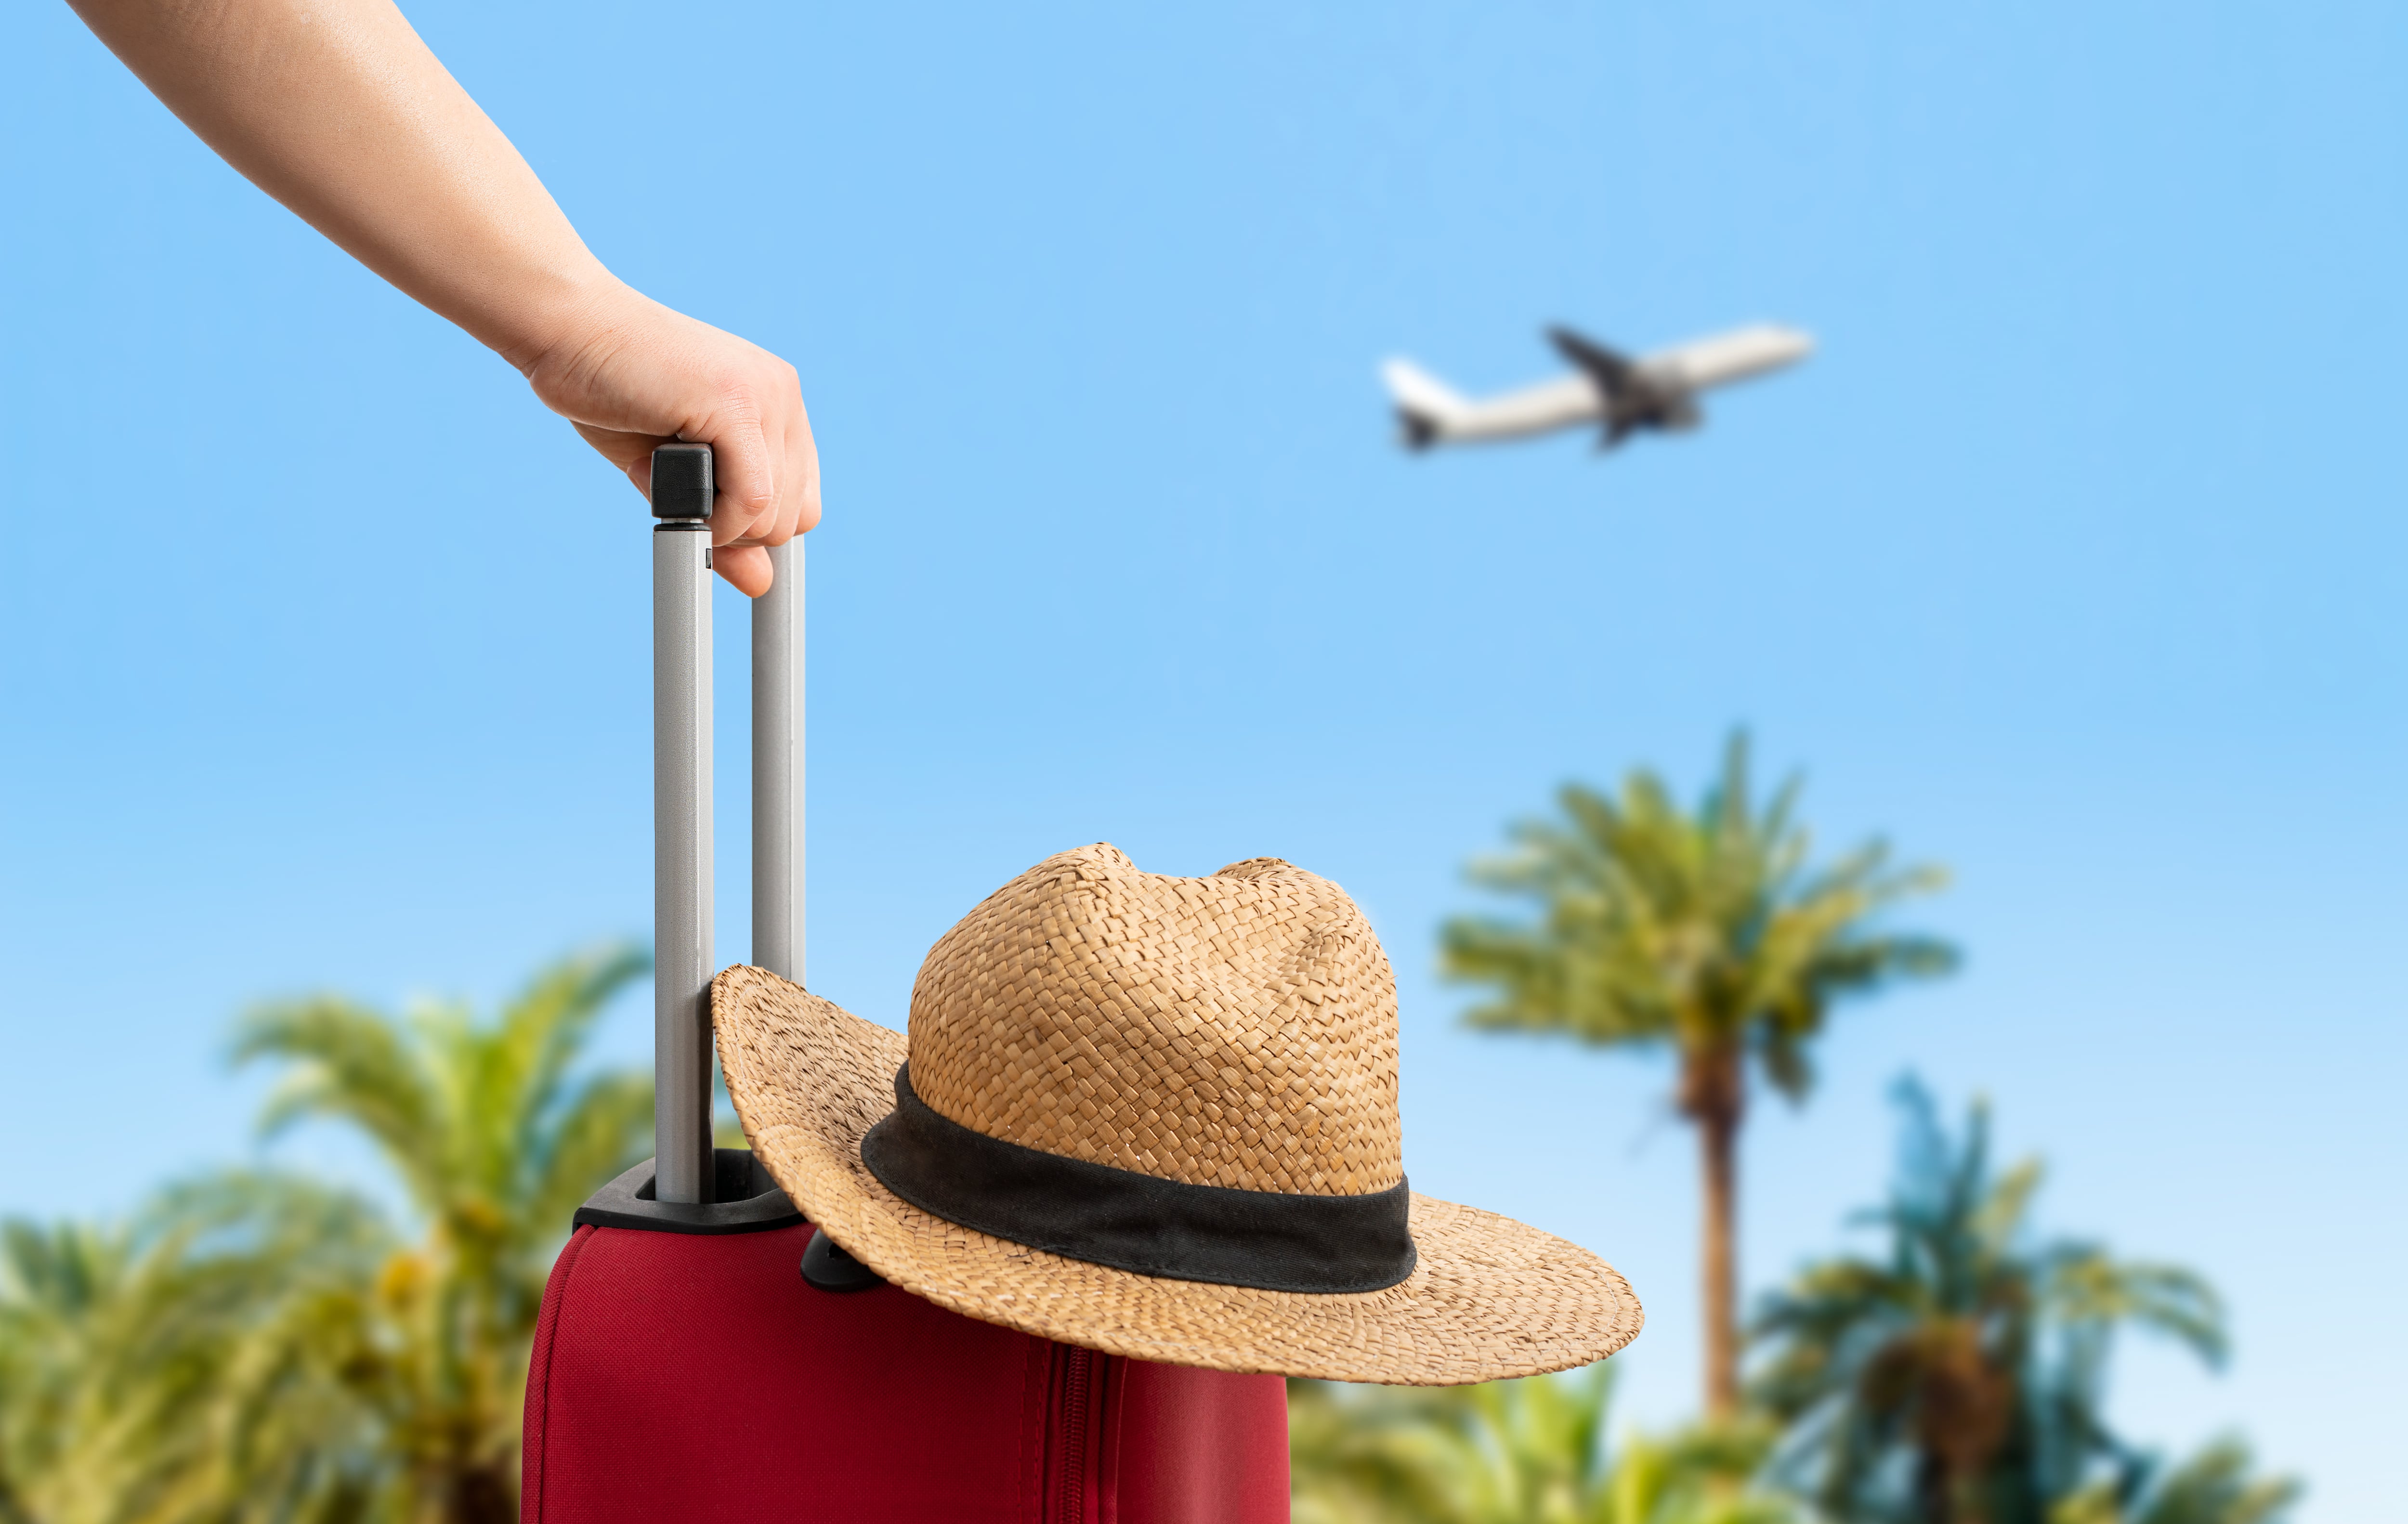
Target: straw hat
1155, 1116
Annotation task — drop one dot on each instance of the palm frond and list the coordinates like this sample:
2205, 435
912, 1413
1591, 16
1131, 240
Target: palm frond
349, 1062
545, 1028
2218, 1485
1967, 1362
1708, 929
182, 1339
252, 1345
1515, 1452
2086, 1286
603, 1128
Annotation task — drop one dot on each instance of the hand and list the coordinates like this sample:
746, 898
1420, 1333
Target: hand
631, 374
440, 204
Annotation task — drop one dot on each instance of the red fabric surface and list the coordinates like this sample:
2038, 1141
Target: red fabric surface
1199, 1447
679, 1376
546, 1327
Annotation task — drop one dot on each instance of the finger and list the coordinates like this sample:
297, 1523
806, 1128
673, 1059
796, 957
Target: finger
799, 482
746, 567
777, 526
801, 498
746, 475
781, 525
795, 509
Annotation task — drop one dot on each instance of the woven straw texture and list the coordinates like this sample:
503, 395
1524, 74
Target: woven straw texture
1239, 1030
1235, 1031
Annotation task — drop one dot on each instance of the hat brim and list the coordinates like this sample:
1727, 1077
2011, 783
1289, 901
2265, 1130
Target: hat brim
1490, 1298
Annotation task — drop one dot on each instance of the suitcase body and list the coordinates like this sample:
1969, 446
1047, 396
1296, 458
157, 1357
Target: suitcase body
679, 1376
684, 1368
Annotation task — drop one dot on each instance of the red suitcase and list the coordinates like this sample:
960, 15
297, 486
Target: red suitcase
685, 1368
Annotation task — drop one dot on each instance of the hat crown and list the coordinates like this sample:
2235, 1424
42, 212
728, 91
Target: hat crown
1237, 1030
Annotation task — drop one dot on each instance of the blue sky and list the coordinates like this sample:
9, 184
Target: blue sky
2073, 561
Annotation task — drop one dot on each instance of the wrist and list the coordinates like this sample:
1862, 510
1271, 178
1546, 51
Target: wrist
563, 317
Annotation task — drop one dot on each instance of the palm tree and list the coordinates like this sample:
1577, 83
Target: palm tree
1959, 1378
257, 1347
183, 1368
1708, 932
495, 1139
51, 1281
1511, 1452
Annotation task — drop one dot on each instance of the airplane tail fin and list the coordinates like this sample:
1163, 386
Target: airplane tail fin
1424, 403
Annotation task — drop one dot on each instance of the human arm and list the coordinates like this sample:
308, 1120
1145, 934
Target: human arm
336, 109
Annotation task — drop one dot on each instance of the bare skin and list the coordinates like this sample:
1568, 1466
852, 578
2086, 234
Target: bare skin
336, 109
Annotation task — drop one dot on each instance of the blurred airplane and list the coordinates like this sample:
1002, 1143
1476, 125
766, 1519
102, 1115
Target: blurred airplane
1610, 390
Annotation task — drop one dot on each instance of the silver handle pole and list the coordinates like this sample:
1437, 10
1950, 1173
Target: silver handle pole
682, 496
778, 767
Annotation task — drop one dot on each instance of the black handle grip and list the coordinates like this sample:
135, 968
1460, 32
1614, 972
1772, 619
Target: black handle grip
681, 485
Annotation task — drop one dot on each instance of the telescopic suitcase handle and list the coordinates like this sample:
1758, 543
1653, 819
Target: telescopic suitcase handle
682, 492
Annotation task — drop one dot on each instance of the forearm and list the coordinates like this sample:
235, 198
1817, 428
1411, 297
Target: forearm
337, 109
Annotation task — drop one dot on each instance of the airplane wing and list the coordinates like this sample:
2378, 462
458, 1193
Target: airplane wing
1729, 357
1609, 368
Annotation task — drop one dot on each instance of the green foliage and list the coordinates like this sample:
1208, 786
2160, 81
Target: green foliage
490, 1131
255, 1346
1709, 930
1713, 934
1960, 1376
195, 1360
51, 1279
2213, 1486
1511, 1452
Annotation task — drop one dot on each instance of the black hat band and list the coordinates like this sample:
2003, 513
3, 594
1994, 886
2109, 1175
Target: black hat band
1270, 1240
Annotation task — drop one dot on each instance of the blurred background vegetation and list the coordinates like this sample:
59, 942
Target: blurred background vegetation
260, 1346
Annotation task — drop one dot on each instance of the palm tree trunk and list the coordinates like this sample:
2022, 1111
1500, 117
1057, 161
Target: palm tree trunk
1709, 1096
483, 1495
1935, 1486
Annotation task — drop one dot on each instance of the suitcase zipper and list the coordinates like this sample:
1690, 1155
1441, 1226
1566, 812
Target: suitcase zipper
1077, 1386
